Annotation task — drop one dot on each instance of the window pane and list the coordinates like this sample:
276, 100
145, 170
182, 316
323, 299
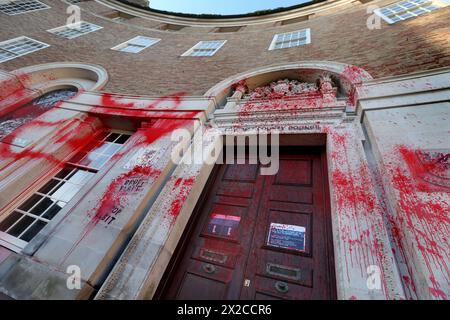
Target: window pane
49, 186
5, 55
112, 149
89, 160
132, 49
53, 210
20, 226
9, 221
75, 30
205, 48
33, 230
65, 173
101, 147
99, 161
123, 138
112, 137
27, 205
290, 39
142, 41
42, 206
66, 192
81, 177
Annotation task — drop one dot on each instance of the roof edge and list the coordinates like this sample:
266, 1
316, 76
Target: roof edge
219, 16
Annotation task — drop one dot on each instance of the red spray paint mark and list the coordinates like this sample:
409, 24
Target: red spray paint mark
6, 151
410, 286
239, 85
420, 169
182, 187
359, 205
117, 101
355, 74
160, 129
354, 193
113, 197
436, 290
426, 219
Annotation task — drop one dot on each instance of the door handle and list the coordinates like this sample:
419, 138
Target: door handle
281, 286
209, 268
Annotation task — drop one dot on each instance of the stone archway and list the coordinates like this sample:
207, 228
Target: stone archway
50, 76
346, 78
23, 85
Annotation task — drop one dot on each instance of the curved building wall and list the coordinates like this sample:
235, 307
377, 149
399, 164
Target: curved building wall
416, 44
374, 100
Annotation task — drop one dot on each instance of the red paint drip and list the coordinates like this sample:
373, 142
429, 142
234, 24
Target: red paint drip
117, 101
426, 219
183, 186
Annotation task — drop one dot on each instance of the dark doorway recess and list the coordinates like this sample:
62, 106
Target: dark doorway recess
258, 237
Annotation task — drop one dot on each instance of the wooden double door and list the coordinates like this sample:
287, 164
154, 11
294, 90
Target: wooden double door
258, 237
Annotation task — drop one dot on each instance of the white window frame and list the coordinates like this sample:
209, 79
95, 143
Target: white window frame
275, 38
73, 25
12, 243
126, 43
198, 44
27, 11
23, 54
438, 3
16, 244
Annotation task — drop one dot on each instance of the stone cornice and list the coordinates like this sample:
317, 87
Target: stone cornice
223, 22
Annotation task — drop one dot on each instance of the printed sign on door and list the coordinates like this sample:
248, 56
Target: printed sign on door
286, 236
223, 225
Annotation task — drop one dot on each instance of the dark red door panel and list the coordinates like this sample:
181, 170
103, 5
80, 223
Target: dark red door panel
290, 249
219, 247
259, 237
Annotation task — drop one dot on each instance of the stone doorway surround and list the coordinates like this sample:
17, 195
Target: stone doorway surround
361, 231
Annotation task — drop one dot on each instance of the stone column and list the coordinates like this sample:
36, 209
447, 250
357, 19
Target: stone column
239, 92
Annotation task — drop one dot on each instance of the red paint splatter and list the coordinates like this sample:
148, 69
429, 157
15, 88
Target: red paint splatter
426, 219
355, 75
436, 290
113, 197
182, 187
117, 101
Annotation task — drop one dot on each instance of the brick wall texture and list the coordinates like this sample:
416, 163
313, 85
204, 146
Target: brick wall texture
413, 45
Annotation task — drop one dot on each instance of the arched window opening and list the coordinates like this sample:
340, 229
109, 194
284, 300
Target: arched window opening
25, 114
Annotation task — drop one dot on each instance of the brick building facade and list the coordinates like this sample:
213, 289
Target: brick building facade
368, 97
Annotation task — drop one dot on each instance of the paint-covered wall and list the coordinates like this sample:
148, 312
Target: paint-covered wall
414, 171
141, 193
387, 145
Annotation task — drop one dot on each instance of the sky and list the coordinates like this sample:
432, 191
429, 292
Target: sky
224, 7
